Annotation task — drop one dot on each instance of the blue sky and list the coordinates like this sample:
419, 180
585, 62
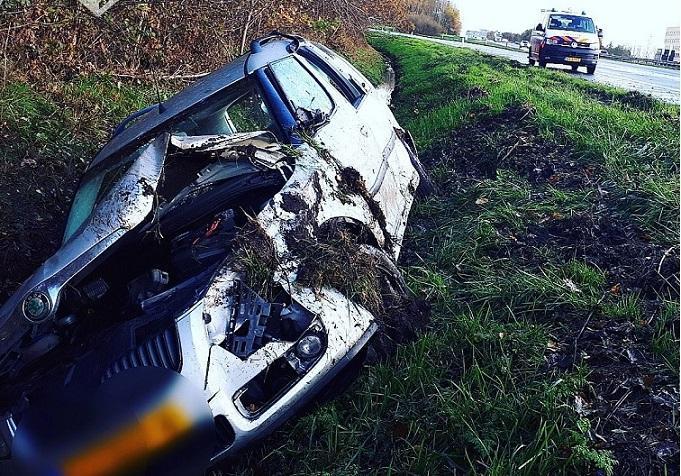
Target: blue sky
639, 24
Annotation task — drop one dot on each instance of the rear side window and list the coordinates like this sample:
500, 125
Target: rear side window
300, 88
344, 66
343, 84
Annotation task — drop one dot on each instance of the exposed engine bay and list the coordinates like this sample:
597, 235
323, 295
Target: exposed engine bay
169, 260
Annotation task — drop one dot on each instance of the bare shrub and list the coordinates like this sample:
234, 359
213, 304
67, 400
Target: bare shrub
426, 25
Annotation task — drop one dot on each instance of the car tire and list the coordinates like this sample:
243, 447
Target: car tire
531, 61
591, 69
542, 63
574, 67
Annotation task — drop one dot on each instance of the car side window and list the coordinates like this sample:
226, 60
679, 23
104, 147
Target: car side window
344, 66
241, 109
300, 88
249, 113
343, 85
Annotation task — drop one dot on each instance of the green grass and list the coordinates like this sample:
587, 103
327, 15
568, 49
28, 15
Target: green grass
665, 342
637, 148
627, 307
475, 395
68, 121
370, 63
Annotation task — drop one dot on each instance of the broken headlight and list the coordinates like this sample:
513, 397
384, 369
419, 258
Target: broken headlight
283, 373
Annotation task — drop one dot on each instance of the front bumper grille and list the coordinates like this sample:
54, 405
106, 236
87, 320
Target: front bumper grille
559, 53
162, 350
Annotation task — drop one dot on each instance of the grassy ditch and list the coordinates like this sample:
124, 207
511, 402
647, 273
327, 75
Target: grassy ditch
370, 63
550, 256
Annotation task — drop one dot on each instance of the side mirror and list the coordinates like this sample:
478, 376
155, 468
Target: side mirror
539, 27
600, 32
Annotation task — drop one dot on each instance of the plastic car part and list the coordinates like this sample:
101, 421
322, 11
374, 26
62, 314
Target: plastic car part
162, 350
250, 322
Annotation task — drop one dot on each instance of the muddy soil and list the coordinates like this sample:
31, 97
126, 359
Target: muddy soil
35, 196
633, 397
632, 99
509, 141
348, 260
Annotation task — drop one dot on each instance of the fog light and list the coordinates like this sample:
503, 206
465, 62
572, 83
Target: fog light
309, 347
36, 306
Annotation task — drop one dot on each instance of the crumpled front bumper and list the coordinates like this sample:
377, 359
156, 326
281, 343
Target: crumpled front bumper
221, 374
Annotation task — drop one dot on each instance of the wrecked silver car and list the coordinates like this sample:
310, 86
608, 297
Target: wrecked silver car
241, 235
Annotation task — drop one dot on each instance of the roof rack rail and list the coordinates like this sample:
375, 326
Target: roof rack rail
257, 44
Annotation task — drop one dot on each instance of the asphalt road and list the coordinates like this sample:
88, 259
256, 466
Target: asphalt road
661, 83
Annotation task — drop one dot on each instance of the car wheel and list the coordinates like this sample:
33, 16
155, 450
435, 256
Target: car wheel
591, 69
574, 67
542, 62
531, 61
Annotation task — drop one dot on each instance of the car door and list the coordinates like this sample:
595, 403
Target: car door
394, 176
346, 138
369, 111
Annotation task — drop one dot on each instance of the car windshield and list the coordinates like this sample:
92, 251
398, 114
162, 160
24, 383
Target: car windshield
572, 23
93, 189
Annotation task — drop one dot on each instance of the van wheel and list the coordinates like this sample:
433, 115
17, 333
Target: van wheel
591, 69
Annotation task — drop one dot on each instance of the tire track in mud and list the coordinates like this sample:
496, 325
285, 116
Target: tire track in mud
633, 397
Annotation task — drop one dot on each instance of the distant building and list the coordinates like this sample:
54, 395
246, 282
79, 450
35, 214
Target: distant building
476, 34
671, 44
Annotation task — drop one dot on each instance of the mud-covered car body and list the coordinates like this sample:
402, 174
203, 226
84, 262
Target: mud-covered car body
280, 144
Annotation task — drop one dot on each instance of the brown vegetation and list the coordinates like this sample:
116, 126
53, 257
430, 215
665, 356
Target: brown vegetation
46, 40
434, 17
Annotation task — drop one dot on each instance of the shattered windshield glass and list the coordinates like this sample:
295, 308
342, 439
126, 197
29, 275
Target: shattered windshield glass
118, 194
93, 189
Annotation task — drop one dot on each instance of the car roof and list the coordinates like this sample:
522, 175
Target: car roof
262, 52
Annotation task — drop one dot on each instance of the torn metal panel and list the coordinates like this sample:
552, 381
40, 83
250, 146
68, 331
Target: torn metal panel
264, 140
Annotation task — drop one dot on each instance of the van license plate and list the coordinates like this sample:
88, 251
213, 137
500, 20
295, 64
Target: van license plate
572, 59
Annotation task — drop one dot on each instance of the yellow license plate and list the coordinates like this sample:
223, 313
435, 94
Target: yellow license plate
572, 59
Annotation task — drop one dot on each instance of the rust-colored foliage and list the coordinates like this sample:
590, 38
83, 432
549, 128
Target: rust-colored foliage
45, 40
